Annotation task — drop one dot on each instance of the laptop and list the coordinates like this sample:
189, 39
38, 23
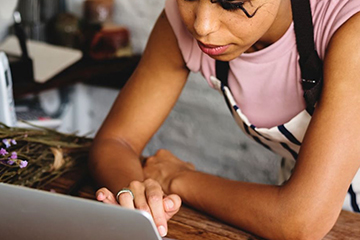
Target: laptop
27, 213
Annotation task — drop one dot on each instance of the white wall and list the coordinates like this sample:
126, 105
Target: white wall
6, 10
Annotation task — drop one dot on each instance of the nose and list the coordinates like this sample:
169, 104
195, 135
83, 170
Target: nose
206, 19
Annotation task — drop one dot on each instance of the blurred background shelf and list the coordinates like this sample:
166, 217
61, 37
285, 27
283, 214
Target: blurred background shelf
111, 73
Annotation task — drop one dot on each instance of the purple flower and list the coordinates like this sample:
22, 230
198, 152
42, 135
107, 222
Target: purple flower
23, 163
3, 152
14, 155
10, 162
6, 142
13, 141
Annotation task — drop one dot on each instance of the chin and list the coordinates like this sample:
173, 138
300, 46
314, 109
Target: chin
225, 57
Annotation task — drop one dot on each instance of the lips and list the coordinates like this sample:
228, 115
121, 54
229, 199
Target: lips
213, 49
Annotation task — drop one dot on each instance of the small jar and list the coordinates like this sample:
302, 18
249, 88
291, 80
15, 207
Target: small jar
66, 30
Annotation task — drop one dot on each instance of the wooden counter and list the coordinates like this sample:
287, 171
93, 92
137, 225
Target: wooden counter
190, 224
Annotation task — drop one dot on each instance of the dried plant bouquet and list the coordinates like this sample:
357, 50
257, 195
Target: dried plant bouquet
34, 157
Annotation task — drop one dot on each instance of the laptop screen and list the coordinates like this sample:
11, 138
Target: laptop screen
35, 214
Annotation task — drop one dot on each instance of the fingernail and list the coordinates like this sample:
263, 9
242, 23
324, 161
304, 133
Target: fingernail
100, 195
169, 204
162, 231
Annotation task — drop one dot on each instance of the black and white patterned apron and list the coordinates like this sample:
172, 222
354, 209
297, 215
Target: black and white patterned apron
286, 139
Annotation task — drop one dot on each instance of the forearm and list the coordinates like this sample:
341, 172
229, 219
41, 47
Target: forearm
114, 165
261, 209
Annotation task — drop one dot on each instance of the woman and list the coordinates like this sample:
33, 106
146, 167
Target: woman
265, 94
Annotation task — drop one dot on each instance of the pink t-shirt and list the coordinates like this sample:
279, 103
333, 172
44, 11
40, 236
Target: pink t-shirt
266, 84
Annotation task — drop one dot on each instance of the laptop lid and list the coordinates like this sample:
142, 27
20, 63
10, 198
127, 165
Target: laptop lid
27, 213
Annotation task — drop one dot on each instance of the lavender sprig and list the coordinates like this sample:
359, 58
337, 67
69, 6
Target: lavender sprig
34, 157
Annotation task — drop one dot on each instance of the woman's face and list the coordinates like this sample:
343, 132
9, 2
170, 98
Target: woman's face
224, 33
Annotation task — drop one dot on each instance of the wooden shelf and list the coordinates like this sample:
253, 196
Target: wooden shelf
106, 73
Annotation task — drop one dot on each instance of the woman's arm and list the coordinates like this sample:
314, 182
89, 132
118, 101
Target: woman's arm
139, 110
307, 206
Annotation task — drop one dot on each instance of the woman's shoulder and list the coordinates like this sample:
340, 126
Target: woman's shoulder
328, 16
333, 6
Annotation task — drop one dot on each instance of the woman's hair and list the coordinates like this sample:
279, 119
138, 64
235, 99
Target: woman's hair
233, 5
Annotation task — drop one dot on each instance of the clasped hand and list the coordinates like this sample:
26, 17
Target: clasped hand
153, 195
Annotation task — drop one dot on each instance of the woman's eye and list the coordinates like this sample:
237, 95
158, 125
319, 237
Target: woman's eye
232, 5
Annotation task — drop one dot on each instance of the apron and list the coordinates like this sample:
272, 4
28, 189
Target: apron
286, 139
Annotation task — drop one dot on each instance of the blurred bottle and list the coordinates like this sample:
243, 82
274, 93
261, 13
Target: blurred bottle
49, 21
30, 11
105, 40
63, 28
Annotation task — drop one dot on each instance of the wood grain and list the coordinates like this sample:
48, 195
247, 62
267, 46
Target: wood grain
190, 224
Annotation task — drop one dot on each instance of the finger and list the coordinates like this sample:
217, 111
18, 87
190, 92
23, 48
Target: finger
140, 201
104, 195
154, 196
149, 161
126, 200
172, 204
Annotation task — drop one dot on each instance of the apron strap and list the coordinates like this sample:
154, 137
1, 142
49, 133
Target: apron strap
309, 61
222, 71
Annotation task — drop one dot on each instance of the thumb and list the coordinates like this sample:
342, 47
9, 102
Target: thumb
172, 204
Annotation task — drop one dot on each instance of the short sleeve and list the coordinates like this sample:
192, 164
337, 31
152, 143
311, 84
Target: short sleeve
329, 16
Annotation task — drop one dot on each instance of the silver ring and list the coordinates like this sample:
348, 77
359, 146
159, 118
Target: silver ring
124, 190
